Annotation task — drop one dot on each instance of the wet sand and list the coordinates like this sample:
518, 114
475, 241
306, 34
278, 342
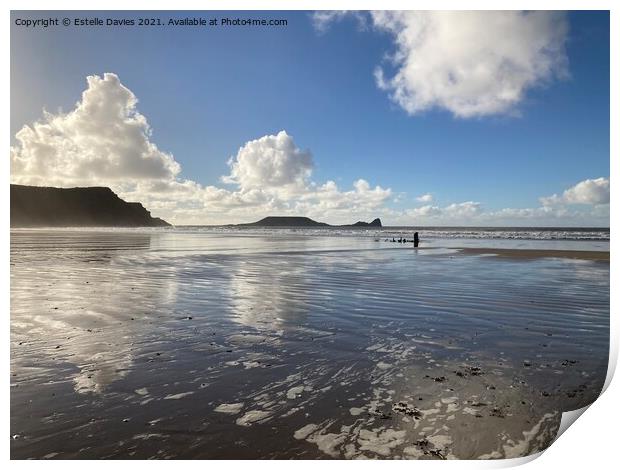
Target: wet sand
160, 344
532, 254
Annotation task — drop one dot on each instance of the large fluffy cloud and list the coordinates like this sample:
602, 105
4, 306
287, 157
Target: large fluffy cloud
590, 191
471, 63
104, 139
273, 161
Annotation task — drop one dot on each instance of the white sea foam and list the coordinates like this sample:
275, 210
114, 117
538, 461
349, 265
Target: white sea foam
254, 416
178, 396
229, 408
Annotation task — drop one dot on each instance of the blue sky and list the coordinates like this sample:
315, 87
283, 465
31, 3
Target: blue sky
206, 92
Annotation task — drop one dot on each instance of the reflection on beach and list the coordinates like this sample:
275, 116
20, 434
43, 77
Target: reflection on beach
169, 344
266, 296
78, 299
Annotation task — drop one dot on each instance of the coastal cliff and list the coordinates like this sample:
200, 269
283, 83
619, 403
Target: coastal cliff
34, 206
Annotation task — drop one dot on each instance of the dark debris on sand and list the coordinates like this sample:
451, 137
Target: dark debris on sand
403, 408
425, 446
381, 414
497, 412
473, 371
436, 379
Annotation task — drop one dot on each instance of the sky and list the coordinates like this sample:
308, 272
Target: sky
420, 118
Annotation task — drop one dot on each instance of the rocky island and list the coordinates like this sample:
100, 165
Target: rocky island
288, 221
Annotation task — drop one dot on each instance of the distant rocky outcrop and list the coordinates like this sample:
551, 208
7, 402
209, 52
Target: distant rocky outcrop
274, 221
374, 223
286, 221
34, 206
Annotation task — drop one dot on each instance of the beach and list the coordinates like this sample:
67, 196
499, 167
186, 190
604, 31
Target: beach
190, 343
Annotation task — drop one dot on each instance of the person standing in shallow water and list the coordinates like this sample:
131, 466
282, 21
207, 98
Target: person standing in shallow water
416, 240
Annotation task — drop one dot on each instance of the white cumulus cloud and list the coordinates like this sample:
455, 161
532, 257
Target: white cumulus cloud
590, 191
471, 63
104, 139
273, 161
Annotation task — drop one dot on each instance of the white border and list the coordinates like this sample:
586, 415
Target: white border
591, 443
